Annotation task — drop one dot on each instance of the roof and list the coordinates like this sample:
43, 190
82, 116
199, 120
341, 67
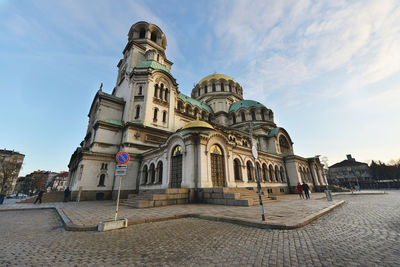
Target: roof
197, 124
273, 131
112, 121
216, 76
348, 163
152, 64
120, 99
247, 104
194, 102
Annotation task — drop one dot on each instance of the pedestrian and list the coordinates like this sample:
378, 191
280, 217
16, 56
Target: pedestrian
67, 192
39, 196
306, 190
300, 190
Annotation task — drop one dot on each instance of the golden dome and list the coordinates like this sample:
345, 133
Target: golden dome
216, 76
197, 124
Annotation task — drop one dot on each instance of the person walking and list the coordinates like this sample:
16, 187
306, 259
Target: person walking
306, 190
300, 190
67, 192
39, 196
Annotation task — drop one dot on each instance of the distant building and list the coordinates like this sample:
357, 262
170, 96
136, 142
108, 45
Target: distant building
349, 172
10, 165
59, 182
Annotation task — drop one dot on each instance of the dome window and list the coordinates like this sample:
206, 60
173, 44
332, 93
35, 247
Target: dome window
230, 88
213, 87
222, 87
155, 114
234, 118
253, 115
137, 112
205, 89
153, 37
243, 116
262, 115
142, 33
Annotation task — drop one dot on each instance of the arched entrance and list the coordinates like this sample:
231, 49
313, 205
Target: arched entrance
217, 166
176, 167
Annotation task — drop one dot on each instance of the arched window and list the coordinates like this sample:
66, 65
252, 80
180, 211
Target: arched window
142, 33
265, 172
152, 174
258, 170
271, 173
166, 94
102, 179
205, 89
188, 109
137, 112
237, 170
262, 115
253, 115
159, 172
180, 106
249, 171
283, 178
161, 91
230, 88
155, 114
277, 177
158, 57
140, 90
156, 90
153, 36
284, 145
243, 116
145, 175
233, 118
164, 116
198, 92
222, 87
213, 87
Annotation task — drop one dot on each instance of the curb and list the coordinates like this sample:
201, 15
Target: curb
69, 226
257, 224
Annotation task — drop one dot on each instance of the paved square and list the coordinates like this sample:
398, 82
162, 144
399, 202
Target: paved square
363, 232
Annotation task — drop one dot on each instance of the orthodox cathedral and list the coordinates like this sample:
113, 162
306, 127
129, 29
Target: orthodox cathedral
195, 142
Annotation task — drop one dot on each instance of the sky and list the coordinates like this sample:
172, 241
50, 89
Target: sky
329, 70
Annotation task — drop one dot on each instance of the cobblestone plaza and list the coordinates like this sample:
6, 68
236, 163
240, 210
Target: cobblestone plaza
363, 232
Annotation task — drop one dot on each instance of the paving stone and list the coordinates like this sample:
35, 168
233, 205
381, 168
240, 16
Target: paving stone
364, 232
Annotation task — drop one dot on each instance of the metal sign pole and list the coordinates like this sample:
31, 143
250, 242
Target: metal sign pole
119, 190
255, 155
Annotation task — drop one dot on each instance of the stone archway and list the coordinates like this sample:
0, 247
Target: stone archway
217, 166
176, 167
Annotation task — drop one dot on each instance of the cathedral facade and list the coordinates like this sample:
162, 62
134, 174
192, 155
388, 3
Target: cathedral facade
179, 141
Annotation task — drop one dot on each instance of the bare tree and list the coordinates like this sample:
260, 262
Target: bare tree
9, 170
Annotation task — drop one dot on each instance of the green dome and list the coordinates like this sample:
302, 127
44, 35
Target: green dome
247, 104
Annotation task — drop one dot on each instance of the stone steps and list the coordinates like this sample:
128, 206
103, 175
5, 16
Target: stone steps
157, 198
234, 196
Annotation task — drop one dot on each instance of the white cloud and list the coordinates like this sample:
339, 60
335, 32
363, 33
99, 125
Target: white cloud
291, 42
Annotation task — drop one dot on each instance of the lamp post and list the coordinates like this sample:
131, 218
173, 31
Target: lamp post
255, 156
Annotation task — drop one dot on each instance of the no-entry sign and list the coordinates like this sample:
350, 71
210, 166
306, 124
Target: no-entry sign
122, 157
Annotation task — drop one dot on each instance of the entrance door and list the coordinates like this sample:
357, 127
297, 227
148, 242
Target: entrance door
217, 167
176, 167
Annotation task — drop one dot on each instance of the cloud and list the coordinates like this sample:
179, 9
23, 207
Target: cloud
286, 43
